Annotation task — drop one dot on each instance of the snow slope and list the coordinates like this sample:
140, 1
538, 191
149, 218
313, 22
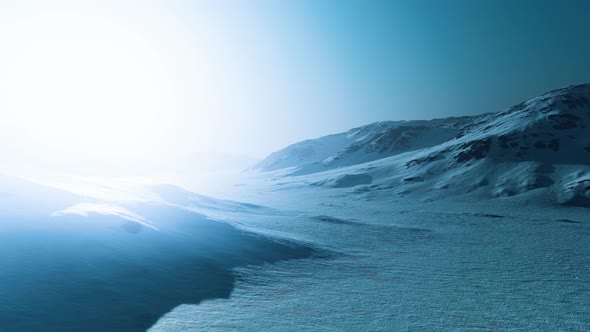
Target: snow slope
74, 263
541, 143
486, 230
414, 241
371, 142
399, 263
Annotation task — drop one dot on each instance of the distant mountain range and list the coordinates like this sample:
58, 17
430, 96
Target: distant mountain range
540, 143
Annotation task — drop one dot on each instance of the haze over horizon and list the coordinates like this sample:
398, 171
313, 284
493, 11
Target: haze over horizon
111, 85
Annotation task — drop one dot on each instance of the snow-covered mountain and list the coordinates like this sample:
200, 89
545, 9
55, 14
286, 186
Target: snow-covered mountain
362, 144
541, 143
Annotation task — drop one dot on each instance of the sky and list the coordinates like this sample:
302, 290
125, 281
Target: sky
123, 85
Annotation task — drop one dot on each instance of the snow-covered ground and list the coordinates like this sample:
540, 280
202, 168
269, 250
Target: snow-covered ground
474, 223
74, 262
400, 264
294, 257
378, 261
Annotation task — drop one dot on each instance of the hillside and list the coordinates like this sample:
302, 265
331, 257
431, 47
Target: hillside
540, 143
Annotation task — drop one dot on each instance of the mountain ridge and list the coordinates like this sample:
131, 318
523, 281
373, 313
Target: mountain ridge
543, 142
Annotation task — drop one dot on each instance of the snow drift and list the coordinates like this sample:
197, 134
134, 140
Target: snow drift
72, 263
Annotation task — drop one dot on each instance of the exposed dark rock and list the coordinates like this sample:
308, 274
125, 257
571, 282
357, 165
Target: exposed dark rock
477, 149
563, 121
540, 145
426, 159
554, 144
414, 179
518, 107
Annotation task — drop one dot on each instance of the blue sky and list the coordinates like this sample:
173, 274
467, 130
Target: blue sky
325, 66
169, 78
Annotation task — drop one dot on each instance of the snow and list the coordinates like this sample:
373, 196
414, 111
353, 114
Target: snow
358, 145
575, 191
530, 146
84, 209
400, 264
484, 230
75, 263
473, 223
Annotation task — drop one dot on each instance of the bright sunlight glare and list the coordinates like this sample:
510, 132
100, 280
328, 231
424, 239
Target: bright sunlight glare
86, 88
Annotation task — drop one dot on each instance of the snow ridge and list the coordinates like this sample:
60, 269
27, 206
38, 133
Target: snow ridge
540, 143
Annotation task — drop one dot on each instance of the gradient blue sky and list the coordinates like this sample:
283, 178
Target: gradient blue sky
250, 77
299, 69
